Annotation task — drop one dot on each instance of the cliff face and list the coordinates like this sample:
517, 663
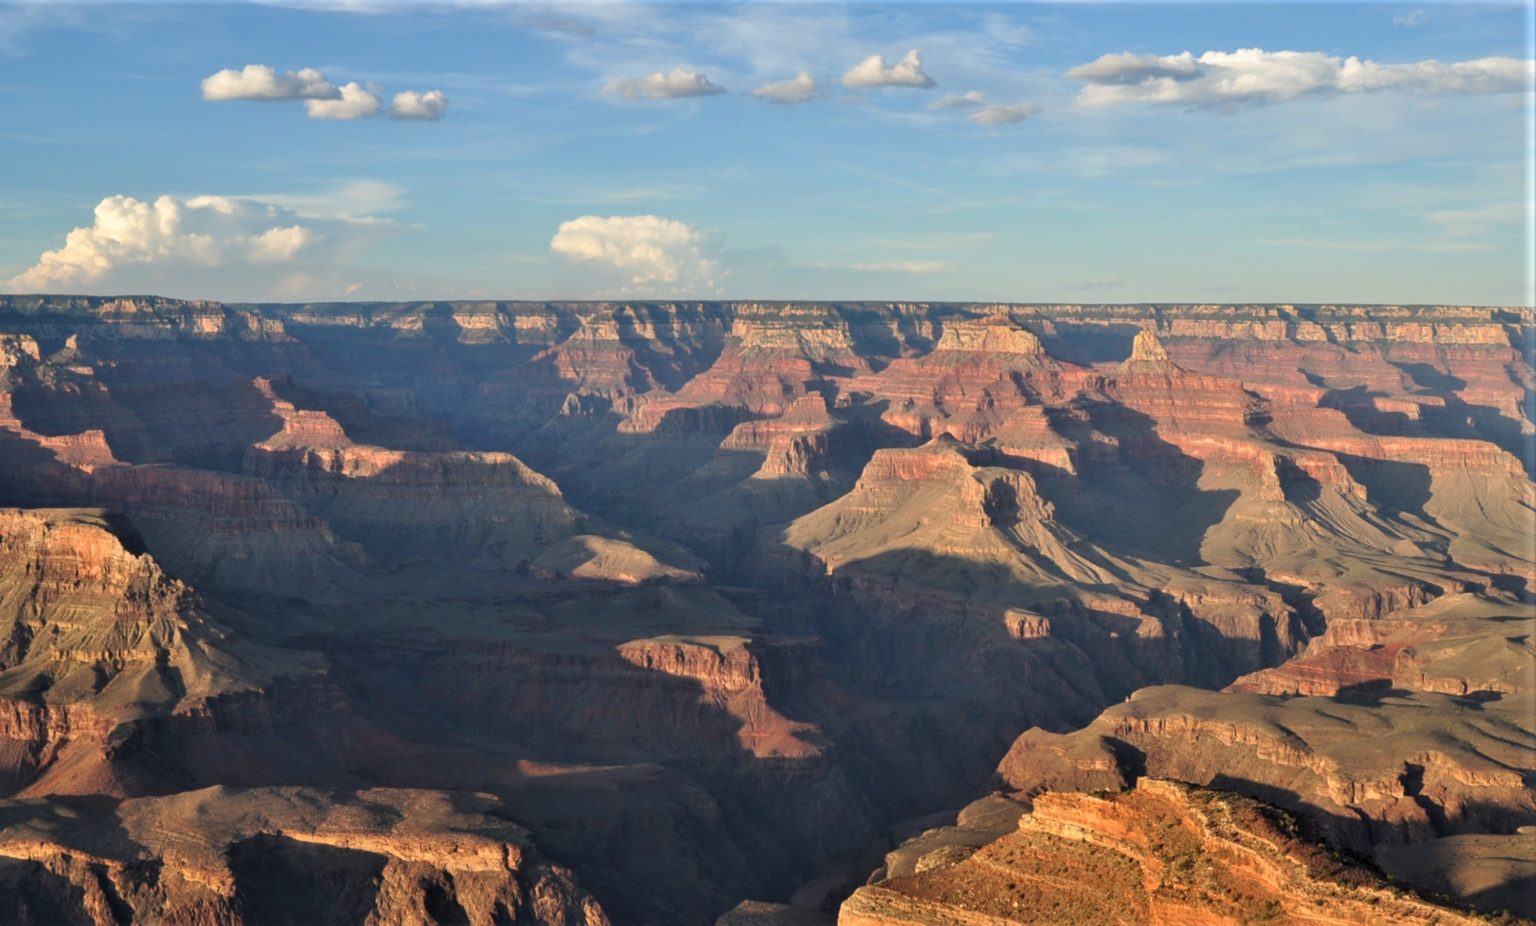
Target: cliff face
652, 574
111, 667
223, 855
1401, 731
1163, 853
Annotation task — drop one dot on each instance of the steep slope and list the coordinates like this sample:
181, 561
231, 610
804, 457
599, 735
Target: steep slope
894, 536
229, 855
448, 505
111, 669
1402, 731
1162, 853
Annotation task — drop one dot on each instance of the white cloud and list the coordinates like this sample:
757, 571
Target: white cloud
764, 41
214, 246
1253, 75
1409, 19
276, 245
1484, 221
969, 100
358, 201
904, 266
260, 82
1479, 76
873, 72
205, 231
321, 98
649, 253
1003, 115
680, 82
427, 106
355, 102
1128, 69
797, 89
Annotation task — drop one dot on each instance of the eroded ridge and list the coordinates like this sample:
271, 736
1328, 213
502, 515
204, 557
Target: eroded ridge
1161, 853
650, 573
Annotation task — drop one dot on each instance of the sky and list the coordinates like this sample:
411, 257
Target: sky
1019, 152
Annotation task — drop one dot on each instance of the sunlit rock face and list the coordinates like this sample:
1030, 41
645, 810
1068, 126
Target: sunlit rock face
708, 597
1162, 853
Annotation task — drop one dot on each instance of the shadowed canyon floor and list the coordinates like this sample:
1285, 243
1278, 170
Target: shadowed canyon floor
570, 613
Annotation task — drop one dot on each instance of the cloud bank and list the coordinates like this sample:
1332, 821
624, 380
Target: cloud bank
873, 72
1253, 75
646, 253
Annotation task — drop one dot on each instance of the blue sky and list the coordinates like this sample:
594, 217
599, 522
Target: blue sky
1298, 152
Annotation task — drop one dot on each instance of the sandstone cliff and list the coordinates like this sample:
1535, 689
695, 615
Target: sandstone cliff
1163, 853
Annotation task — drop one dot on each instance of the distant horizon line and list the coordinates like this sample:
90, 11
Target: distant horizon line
719, 300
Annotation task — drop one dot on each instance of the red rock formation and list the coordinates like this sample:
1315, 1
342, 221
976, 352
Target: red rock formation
1161, 854
730, 677
794, 445
106, 654
1398, 730
837, 620
222, 855
771, 359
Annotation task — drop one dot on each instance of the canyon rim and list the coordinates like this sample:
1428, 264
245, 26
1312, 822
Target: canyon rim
767, 464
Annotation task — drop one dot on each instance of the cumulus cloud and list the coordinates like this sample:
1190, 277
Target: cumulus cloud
276, 245
680, 82
321, 98
971, 99
229, 247
1253, 75
203, 231
1003, 115
260, 82
1126, 69
355, 102
647, 252
427, 106
873, 72
797, 89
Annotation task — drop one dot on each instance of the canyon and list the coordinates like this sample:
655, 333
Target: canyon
664, 613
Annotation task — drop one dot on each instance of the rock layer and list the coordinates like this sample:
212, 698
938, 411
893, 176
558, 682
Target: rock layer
1163, 853
652, 573
224, 855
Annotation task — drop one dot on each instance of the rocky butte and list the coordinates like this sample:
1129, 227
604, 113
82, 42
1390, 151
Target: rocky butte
670, 613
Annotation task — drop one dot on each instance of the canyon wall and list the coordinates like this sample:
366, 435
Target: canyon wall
709, 597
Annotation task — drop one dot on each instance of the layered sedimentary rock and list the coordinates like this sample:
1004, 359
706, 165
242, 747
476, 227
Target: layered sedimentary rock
1386, 734
772, 356
268, 855
1163, 853
654, 573
116, 680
